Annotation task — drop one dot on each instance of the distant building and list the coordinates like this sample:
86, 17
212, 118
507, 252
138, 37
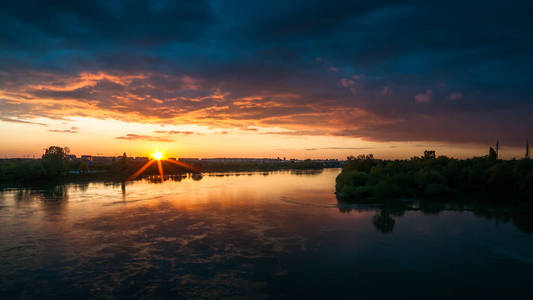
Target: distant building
87, 157
227, 160
241, 160
105, 160
188, 160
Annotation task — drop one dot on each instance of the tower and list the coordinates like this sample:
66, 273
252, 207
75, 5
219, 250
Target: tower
497, 148
527, 149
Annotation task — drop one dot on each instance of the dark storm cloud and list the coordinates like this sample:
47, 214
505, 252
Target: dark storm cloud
92, 24
379, 70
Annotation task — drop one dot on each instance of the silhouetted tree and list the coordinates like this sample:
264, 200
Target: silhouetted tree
54, 160
429, 154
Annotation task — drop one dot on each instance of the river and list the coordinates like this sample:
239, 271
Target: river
253, 235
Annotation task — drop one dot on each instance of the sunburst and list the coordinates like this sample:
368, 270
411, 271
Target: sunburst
159, 157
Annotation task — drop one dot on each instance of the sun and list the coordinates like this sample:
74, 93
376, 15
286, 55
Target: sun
158, 158
157, 155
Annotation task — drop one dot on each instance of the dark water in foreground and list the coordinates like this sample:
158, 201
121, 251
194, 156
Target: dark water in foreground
280, 235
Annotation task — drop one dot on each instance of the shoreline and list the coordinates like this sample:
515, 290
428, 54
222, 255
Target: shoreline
114, 178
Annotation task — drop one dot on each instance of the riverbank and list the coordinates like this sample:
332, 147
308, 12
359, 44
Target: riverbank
32, 170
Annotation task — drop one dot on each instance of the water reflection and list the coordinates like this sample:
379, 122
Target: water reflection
225, 235
384, 219
55, 193
383, 222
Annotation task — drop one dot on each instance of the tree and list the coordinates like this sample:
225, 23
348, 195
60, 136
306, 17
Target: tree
429, 154
54, 160
83, 167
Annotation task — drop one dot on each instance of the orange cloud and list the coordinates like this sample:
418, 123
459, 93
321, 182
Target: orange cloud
132, 136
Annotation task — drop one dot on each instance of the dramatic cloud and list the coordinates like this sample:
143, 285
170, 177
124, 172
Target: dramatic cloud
379, 70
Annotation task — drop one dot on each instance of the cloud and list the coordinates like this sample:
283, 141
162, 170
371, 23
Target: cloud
131, 136
71, 130
298, 132
21, 121
386, 91
456, 96
347, 83
339, 148
137, 24
180, 132
425, 97
62, 131
191, 63
350, 84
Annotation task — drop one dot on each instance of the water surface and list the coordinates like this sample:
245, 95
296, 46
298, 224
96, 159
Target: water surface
260, 235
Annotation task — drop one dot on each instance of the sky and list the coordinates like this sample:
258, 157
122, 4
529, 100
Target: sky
295, 79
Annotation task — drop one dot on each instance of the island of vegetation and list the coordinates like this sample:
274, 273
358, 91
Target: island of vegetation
488, 179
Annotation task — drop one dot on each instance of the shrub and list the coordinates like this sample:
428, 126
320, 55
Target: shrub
387, 190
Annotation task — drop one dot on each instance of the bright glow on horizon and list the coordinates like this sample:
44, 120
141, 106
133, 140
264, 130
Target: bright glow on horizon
108, 137
157, 155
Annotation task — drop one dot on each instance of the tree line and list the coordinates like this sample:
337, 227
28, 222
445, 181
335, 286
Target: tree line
55, 163
365, 178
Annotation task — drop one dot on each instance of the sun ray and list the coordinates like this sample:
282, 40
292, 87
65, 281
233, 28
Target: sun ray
160, 167
184, 165
138, 172
157, 157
